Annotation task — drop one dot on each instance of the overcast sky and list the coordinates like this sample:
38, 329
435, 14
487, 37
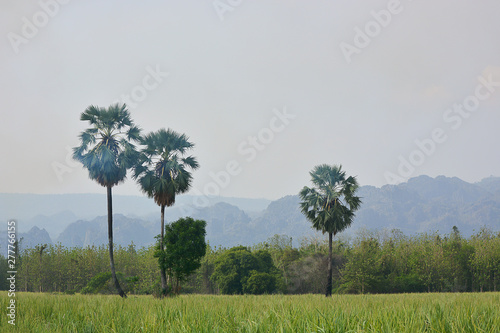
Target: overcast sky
265, 89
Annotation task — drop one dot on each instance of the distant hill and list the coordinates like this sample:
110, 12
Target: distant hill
421, 204
30, 239
226, 224
34, 237
425, 204
55, 211
490, 184
283, 216
95, 232
53, 224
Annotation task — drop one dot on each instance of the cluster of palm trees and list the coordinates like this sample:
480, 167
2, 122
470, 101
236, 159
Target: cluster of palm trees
113, 144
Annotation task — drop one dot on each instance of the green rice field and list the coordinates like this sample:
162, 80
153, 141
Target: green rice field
445, 312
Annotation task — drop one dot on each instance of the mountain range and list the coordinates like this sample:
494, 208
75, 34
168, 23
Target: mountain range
419, 205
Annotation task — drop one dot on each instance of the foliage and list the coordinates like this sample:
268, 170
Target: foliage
362, 272
62, 269
185, 246
101, 283
97, 283
4, 267
331, 203
161, 170
372, 262
237, 270
107, 149
232, 268
259, 283
485, 260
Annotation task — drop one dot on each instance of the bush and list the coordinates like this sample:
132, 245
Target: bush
259, 283
97, 283
239, 271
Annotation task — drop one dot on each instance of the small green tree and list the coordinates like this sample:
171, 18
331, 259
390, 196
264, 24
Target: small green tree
97, 284
184, 247
361, 273
231, 268
259, 283
485, 261
239, 271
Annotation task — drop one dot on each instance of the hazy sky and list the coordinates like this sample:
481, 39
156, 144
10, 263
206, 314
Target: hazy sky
265, 89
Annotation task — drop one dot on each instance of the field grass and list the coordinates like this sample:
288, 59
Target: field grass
279, 313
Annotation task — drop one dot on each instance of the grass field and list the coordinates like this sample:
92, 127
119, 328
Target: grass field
304, 313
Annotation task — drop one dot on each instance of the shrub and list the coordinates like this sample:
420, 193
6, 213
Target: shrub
259, 283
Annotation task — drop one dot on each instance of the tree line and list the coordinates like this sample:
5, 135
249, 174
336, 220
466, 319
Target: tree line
371, 262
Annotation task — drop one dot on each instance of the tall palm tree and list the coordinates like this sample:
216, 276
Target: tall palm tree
107, 151
163, 172
330, 205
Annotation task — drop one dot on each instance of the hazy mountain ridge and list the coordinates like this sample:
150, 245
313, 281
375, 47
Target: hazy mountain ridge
424, 203
61, 209
421, 204
283, 216
35, 237
95, 232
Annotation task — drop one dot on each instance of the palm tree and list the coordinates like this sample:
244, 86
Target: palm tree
107, 151
330, 205
162, 173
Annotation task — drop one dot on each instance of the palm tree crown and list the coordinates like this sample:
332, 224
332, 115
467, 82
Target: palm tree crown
330, 204
162, 171
106, 149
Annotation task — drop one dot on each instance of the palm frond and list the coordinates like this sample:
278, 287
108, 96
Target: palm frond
162, 170
331, 202
105, 149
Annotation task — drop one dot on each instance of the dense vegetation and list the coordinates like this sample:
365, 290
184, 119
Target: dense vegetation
372, 262
459, 312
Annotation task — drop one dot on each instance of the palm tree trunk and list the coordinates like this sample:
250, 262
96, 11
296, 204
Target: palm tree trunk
329, 281
163, 275
110, 237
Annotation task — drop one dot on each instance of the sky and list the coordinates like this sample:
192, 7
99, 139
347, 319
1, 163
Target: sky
265, 90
